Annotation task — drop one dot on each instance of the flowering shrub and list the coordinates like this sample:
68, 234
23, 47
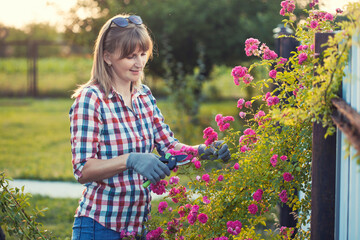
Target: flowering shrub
271, 158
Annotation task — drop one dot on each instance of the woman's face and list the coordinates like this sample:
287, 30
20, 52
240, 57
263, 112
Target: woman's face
128, 69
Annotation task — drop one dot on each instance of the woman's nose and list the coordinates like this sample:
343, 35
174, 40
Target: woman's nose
139, 62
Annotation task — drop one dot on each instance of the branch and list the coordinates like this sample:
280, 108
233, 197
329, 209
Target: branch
347, 120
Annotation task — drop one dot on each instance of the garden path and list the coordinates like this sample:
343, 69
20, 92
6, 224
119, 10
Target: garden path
54, 189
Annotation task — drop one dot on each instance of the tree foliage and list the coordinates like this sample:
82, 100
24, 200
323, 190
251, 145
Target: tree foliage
218, 26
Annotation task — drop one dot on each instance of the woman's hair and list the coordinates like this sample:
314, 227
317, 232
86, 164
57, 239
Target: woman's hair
119, 40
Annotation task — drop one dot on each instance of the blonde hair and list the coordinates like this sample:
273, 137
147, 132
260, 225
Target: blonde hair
122, 41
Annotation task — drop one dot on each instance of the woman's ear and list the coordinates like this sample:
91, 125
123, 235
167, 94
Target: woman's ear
107, 58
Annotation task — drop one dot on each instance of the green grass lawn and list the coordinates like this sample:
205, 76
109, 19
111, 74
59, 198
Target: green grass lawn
34, 138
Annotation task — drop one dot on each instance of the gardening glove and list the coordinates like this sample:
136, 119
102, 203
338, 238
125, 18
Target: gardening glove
217, 150
148, 165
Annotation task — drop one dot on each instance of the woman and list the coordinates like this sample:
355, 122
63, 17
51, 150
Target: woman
115, 126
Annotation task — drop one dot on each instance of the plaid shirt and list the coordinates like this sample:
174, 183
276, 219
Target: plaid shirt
106, 128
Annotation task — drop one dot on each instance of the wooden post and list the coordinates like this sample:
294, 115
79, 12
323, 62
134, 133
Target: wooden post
32, 68
323, 172
283, 47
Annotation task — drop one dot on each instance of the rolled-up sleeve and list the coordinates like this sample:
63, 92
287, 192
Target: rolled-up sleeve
85, 128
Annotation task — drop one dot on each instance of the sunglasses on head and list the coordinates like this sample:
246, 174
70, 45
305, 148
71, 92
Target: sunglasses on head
124, 22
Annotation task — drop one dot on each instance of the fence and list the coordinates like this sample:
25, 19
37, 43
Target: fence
335, 195
42, 68
347, 214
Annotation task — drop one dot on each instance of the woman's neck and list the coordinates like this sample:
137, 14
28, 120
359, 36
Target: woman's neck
124, 90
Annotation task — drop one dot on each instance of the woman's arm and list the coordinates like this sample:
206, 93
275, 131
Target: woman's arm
97, 169
146, 164
180, 145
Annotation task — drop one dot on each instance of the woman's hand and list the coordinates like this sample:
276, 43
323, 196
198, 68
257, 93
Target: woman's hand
217, 150
148, 165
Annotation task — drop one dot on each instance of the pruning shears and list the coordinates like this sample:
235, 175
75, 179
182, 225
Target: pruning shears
171, 162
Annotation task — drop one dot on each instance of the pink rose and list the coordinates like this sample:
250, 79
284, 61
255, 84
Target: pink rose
248, 79
181, 211
273, 160
269, 55
338, 10
248, 104
174, 180
302, 58
220, 178
210, 135
258, 195
272, 73
206, 200
236, 166
191, 218
234, 227
240, 103
287, 177
162, 206
242, 114
283, 196
253, 208
222, 122
314, 24
197, 164
206, 177
249, 131
237, 73
329, 17
251, 47
244, 149
202, 217
159, 187
282, 61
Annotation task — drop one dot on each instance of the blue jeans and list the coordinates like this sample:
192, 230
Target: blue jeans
86, 228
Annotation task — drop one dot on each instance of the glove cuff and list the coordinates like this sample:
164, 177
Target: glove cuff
129, 161
201, 149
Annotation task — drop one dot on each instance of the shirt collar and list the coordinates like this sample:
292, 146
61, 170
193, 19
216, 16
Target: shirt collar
136, 92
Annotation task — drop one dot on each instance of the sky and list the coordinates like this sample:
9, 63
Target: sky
17, 13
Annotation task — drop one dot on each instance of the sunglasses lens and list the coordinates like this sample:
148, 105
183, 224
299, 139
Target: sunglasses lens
121, 22
135, 19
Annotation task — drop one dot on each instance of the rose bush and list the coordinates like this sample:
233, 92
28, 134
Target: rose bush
271, 159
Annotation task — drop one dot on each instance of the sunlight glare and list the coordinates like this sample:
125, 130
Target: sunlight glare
18, 13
